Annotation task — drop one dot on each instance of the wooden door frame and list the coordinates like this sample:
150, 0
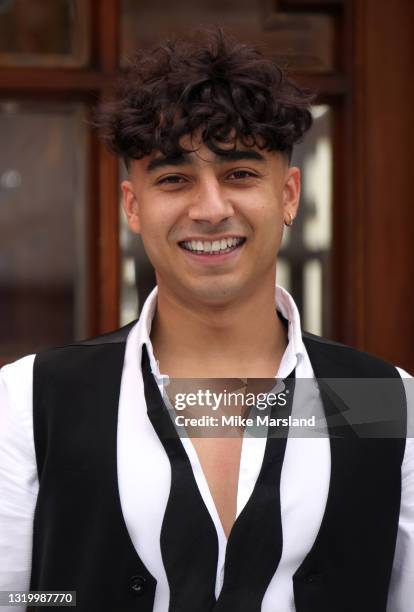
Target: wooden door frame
374, 292
362, 192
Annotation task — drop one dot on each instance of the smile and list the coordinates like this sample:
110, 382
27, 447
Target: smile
212, 247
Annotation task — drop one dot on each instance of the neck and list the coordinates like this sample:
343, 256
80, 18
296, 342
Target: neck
242, 339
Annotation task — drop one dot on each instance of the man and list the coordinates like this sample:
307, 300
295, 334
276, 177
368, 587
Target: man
100, 494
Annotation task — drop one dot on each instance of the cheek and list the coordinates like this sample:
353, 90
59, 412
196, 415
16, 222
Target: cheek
266, 214
153, 224
155, 232
269, 225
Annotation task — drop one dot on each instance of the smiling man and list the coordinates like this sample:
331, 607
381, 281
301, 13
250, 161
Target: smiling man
212, 224
102, 491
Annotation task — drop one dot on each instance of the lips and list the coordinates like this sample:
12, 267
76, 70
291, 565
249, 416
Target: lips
212, 248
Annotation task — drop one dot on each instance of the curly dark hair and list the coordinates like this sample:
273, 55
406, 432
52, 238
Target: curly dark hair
212, 83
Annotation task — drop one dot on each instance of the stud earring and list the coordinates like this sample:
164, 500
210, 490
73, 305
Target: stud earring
289, 223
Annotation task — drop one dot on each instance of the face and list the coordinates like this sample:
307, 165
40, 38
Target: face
212, 225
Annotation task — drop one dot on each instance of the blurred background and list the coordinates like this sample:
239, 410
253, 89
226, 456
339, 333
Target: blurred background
69, 268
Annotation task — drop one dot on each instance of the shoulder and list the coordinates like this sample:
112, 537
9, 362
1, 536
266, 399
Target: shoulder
16, 378
81, 354
347, 360
12, 372
16, 390
365, 382
117, 336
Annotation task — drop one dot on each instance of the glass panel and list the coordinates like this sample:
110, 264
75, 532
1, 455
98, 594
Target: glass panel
129, 294
43, 32
306, 247
312, 289
303, 41
43, 263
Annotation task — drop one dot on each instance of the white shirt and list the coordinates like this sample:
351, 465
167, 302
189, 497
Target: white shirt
303, 487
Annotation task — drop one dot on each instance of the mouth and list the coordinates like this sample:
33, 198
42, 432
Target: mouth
213, 248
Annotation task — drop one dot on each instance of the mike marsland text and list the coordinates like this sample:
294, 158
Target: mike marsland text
239, 421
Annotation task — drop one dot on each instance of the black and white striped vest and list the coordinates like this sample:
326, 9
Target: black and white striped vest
81, 542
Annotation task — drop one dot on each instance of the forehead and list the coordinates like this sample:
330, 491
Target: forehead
199, 154
202, 157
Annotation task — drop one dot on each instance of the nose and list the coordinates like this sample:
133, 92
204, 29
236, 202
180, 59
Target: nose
209, 203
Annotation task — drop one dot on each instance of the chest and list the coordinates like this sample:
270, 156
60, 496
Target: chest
220, 461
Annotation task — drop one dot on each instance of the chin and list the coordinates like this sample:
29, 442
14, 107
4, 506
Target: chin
216, 293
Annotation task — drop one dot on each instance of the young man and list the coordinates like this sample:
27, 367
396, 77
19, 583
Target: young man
99, 493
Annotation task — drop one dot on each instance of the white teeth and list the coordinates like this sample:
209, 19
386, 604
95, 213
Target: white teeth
215, 246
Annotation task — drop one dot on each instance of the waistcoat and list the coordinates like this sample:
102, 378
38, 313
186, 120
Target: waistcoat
80, 539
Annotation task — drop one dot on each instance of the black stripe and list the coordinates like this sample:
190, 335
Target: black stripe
255, 544
189, 544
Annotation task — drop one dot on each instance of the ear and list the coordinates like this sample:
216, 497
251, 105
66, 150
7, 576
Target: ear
130, 206
291, 192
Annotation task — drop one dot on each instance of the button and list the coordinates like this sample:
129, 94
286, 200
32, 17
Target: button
138, 585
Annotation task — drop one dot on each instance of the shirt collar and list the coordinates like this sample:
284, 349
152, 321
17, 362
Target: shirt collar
285, 304
295, 349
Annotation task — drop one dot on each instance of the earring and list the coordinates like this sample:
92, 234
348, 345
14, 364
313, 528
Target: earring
289, 223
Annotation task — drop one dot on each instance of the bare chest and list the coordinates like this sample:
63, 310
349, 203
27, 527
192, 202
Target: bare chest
220, 462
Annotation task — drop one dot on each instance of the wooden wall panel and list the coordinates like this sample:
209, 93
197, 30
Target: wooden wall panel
107, 57
381, 218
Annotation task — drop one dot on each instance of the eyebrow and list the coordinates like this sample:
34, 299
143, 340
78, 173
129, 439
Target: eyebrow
184, 158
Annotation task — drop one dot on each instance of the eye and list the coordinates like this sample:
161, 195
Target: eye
242, 174
171, 179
